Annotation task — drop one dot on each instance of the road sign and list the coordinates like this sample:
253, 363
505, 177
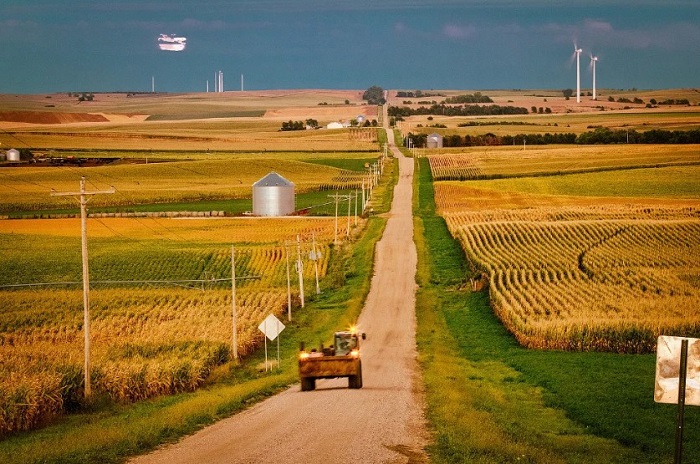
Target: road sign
668, 368
271, 327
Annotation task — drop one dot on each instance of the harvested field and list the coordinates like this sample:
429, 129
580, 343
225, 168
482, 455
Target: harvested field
45, 117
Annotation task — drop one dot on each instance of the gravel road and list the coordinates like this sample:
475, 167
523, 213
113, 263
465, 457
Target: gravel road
381, 423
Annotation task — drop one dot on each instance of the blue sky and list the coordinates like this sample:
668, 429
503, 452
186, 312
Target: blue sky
83, 45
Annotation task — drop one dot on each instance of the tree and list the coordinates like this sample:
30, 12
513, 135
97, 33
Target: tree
374, 95
567, 93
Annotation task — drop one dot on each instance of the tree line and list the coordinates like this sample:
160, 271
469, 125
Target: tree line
299, 125
442, 109
597, 136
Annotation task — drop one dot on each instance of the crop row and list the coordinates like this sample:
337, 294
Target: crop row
454, 167
145, 343
587, 284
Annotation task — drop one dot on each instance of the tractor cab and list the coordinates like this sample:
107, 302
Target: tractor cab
344, 343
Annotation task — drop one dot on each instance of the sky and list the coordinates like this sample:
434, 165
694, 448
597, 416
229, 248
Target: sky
100, 45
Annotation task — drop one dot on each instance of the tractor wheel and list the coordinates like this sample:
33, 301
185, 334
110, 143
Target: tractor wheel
355, 381
308, 384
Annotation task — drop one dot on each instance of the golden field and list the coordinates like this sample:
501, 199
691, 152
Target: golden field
565, 255
604, 258
161, 304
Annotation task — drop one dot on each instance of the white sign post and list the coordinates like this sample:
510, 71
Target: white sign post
271, 327
678, 378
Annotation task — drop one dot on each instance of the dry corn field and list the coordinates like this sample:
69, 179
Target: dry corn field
582, 273
148, 338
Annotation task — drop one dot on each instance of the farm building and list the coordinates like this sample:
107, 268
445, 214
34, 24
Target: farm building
434, 141
334, 125
12, 155
273, 195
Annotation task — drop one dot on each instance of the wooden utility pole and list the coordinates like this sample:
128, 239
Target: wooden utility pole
84, 196
234, 340
337, 198
316, 256
289, 284
347, 230
300, 273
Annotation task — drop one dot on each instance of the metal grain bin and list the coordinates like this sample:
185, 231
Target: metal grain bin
434, 140
273, 195
12, 155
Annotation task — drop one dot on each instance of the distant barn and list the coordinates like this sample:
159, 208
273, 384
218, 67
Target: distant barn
273, 195
434, 141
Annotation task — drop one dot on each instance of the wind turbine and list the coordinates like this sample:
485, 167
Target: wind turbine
594, 60
577, 52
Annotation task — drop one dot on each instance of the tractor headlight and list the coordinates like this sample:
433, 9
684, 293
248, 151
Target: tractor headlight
355, 353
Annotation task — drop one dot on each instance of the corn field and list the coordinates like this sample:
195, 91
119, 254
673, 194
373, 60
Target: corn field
608, 278
454, 167
161, 309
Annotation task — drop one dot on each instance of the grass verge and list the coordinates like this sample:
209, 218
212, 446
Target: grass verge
491, 401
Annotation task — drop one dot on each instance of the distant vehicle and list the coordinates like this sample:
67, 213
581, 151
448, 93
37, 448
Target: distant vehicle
172, 43
340, 360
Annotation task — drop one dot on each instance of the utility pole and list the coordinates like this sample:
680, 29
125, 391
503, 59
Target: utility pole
289, 283
355, 207
347, 230
86, 273
316, 256
300, 272
234, 340
337, 198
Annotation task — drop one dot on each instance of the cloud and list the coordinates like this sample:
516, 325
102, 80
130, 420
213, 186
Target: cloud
454, 31
195, 24
400, 27
597, 33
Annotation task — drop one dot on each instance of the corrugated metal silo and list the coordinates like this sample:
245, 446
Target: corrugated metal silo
273, 195
12, 155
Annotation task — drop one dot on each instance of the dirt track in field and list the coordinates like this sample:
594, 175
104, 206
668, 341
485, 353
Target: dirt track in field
381, 423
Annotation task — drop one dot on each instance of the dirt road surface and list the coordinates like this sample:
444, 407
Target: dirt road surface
381, 423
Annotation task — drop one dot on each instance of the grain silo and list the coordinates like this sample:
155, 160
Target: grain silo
434, 140
12, 155
273, 195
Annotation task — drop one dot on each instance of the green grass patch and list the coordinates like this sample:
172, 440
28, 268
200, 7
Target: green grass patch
319, 202
489, 400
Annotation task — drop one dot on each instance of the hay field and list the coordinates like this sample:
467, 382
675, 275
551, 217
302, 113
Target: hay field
492, 162
199, 121
601, 261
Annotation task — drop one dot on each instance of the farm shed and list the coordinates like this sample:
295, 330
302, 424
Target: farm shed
334, 125
273, 195
12, 155
434, 141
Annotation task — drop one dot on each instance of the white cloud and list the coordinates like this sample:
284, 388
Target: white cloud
454, 31
596, 33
